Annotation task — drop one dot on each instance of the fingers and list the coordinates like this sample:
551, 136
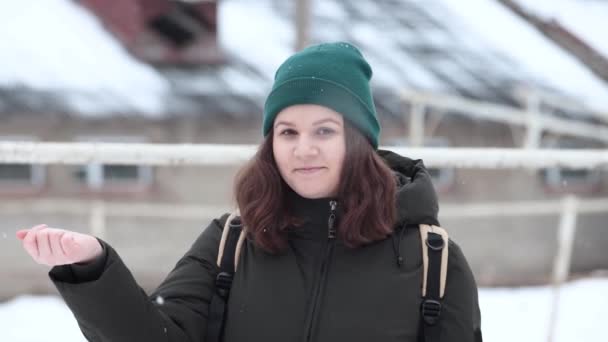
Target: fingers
22, 233
44, 245
52, 247
52, 253
56, 246
30, 243
45, 253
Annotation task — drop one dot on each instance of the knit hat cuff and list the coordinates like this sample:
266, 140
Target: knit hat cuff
314, 90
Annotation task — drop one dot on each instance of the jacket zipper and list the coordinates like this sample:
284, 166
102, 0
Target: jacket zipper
331, 237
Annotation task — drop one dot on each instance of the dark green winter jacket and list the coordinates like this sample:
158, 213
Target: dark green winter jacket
319, 290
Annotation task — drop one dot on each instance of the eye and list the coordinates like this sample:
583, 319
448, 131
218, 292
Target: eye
288, 132
325, 131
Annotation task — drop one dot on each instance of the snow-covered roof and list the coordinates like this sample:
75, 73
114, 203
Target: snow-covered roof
57, 46
585, 18
537, 55
475, 48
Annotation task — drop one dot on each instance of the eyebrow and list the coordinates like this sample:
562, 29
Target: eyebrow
318, 122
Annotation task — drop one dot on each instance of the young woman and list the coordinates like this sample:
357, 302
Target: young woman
333, 250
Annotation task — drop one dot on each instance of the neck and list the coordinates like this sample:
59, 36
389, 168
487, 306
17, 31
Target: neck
315, 213
312, 208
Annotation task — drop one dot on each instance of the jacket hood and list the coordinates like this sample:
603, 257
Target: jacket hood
416, 197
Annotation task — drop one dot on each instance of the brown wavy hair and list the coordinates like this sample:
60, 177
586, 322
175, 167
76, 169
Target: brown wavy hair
366, 194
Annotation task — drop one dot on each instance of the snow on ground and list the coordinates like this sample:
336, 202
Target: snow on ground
523, 314
38, 319
56, 45
507, 315
513, 37
587, 19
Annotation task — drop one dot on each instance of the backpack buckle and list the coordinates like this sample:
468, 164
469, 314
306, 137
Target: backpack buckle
435, 242
223, 282
236, 222
431, 310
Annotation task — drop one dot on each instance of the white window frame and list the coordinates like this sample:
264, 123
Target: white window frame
94, 173
37, 171
553, 177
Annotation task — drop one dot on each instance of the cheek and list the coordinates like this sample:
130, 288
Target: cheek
280, 157
339, 152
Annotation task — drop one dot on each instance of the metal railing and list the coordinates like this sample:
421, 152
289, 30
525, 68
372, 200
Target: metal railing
531, 117
225, 154
178, 155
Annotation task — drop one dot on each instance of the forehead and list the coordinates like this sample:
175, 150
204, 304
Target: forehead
307, 114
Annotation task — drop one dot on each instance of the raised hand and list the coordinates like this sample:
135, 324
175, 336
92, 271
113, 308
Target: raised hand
53, 247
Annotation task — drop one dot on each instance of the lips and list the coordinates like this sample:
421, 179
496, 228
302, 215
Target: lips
309, 170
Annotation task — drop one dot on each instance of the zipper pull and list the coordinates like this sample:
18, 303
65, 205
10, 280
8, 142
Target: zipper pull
330, 222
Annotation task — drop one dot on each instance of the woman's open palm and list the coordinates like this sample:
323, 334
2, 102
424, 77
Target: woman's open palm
53, 247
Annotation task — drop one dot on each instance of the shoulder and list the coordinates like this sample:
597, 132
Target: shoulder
214, 229
206, 245
411, 237
456, 255
459, 272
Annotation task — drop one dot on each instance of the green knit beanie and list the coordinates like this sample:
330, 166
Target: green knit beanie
334, 75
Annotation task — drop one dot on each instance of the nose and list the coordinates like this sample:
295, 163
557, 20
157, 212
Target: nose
305, 148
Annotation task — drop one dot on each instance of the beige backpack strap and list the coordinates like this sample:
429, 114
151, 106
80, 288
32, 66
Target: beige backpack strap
223, 281
239, 244
424, 231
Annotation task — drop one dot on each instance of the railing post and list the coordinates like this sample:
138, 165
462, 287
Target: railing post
302, 23
416, 124
561, 266
533, 121
97, 220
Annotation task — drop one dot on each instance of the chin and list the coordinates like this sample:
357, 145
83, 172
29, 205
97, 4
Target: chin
311, 195
307, 192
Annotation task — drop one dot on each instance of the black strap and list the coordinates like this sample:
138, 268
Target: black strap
432, 304
223, 283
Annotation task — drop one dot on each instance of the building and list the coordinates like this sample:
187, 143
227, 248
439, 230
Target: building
197, 72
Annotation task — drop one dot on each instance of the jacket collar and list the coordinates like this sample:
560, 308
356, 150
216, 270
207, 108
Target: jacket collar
314, 213
416, 197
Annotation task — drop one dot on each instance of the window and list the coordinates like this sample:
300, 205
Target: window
98, 176
19, 176
561, 180
558, 177
181, 24
443, 178
114, 177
